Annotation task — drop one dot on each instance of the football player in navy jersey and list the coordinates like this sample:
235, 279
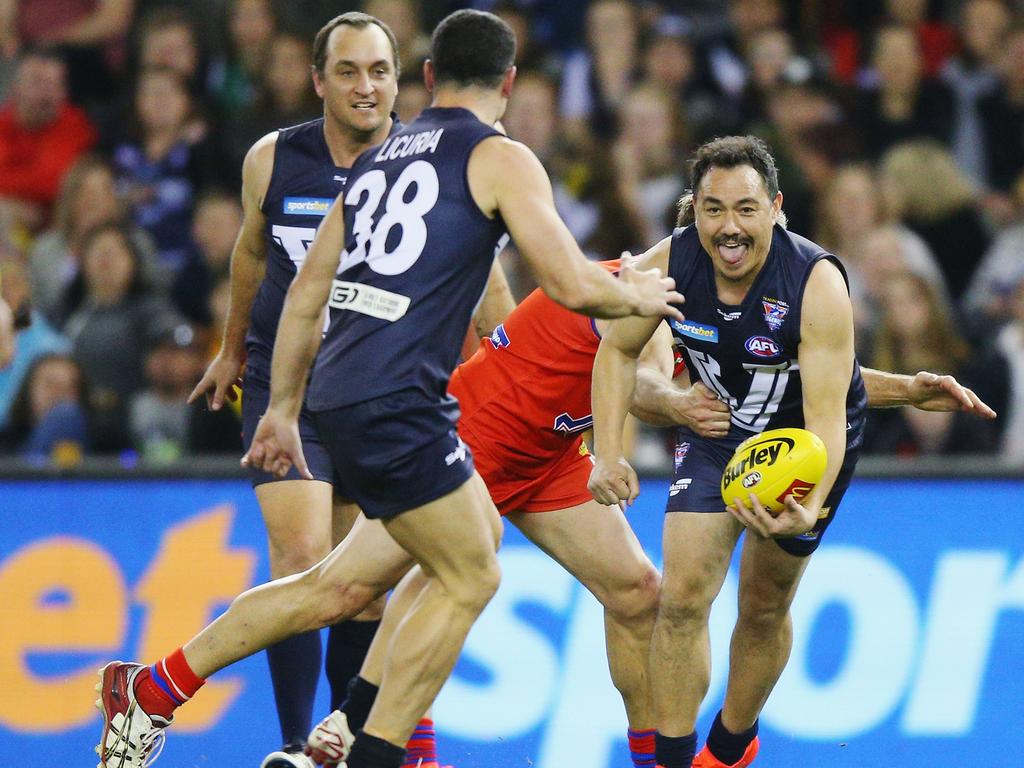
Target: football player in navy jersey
290, 178
444, 188
769, 330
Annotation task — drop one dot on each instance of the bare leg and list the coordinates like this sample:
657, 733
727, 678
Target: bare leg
346, 513
360, 569
454, 539
763, 636
697, 550
401, 602
297, 514
596, 545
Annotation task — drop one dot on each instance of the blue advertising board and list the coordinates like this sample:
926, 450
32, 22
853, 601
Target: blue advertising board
909, 642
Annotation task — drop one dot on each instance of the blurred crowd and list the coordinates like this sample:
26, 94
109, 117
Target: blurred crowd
897, 125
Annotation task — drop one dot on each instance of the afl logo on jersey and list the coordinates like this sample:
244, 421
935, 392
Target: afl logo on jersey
762, 346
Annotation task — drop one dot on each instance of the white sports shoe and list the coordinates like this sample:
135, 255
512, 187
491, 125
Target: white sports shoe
331, 740
132, 738
287, 760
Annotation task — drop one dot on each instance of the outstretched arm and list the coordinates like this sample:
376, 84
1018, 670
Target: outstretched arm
276, 444
248, 266
506, 179
613, 480
925, 391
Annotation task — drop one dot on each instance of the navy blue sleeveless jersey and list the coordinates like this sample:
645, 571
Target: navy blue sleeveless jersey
417, 256
747, 354
303, 184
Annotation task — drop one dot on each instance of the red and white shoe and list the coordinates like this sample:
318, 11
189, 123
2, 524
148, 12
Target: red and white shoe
132, 738
331, 740
707, 760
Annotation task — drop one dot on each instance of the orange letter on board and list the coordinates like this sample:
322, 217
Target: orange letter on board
60, 594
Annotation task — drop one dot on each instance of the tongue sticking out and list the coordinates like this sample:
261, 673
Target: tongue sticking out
732, 254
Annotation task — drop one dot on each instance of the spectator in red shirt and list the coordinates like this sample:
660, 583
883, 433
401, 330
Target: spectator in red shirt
41, 135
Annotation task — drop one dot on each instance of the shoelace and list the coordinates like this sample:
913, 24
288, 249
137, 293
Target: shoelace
151, 745
151, 742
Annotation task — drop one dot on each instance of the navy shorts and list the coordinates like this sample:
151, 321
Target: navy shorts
397, 452
697, 485
255, 398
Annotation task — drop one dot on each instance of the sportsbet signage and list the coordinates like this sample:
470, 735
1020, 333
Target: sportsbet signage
909, 629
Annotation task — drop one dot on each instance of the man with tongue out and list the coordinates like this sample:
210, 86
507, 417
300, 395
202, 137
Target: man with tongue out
769, 330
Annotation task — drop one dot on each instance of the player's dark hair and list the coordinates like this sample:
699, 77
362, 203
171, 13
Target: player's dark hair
733, 152
358, 21
472, 48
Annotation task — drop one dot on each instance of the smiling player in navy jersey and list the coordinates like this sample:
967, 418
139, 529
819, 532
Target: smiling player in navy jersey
290, 179
769, 330
421, 220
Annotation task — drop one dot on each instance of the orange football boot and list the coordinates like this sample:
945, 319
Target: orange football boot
707, 760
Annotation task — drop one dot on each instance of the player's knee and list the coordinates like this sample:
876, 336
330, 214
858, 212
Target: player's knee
374, 611
295, 554
334, 599
681, 606
637, 598
763, 611
474, 588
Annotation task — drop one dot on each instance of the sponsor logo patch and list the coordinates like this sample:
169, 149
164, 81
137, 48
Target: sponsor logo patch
307, 206
762, 346
697, 331
679, 485
368, 300
459, 454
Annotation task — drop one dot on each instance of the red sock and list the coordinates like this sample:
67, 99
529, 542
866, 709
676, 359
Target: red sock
422, 746
167, 685
641, 748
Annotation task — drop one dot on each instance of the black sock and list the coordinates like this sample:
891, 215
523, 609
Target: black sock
347, 645
726, 746
371, 752
294, 671
675, 751
357, 706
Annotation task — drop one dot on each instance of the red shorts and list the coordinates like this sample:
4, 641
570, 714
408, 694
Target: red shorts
559, 484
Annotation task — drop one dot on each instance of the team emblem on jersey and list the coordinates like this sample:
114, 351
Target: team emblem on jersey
307, 206
762, 346
565, 423
775, 312
499, 338
694, 330
681, 450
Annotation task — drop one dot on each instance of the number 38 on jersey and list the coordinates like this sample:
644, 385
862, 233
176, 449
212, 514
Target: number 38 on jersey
393, 242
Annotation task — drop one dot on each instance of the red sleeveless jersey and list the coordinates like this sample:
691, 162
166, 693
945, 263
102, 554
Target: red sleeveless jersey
525, 393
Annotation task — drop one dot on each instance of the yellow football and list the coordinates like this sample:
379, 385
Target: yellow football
773, 465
